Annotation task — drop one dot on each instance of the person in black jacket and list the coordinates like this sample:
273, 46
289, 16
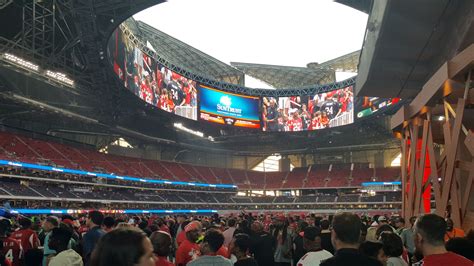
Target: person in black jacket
262, 245
346, 228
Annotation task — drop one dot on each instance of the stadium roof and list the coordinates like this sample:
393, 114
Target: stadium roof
183, 55
282, 77
407, 41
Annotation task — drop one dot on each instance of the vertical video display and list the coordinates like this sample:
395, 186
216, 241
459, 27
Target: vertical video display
151, 81
227, 108
301, 113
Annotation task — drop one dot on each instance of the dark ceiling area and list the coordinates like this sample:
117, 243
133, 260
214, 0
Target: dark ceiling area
406, 41
100, 110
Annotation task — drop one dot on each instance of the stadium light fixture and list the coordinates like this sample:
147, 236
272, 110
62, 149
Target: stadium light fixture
61, 77
20, 62
188, 130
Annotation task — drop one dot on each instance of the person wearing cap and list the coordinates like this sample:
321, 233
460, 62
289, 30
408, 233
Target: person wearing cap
372, 230
312, 244
49, 224
212, 242
282, 235
189, 249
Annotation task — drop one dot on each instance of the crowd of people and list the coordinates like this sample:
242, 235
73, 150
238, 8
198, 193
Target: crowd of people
299, 113
242, 240
151, 81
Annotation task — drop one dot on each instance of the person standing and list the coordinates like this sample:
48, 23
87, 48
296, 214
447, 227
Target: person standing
345, 235
240, 248
229, 232
451, 231
161, 242
59, 241
262, 244
188, 249
28, 238
94, 222
430, 230
49, 224
408, 238
213, 241
312, 243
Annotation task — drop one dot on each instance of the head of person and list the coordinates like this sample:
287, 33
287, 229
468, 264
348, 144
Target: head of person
257, 227
181, 219
449, 225
382, 220
429, 232
25, 223
240, 245
412, 220
95, 218
161, 242
400, 222
193, 231
346, 229
231, 222
392, 244
109, 222
123, 247
312, 238
213, 241
5, 227
325, 224
384, 228
50, 223
461, 246
374, 250
302, 225
60, 238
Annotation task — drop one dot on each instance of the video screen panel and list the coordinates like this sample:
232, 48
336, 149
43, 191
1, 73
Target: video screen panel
301, 113
369, 105
151, 81
227, 108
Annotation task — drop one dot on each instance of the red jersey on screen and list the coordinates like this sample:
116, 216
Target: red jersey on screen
187, 98
445, 259
175, 76
315, 123
28, 239
295, 124
186, 252
146, 93
12, 251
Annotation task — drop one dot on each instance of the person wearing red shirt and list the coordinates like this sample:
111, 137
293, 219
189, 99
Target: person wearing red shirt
189, 250
27, 237
296, 123
161, 242
11, 249
429, 241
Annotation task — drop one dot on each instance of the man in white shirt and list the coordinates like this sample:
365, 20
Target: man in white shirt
312, 244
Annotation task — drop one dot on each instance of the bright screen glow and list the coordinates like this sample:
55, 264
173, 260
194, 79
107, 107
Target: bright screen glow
150, 80
227, 108
308, 112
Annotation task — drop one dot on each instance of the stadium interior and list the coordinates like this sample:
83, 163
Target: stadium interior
104, 111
